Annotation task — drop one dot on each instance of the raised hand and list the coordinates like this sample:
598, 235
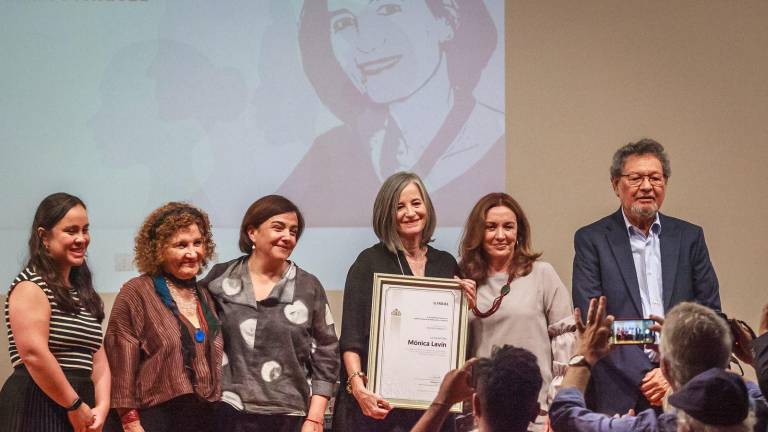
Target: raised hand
594, 335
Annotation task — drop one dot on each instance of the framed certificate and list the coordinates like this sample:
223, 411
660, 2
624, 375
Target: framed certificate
418, 334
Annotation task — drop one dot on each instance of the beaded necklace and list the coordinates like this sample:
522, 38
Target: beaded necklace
188, 308
496, 302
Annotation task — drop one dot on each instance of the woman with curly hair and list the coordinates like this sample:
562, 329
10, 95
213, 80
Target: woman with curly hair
163, 340
60, 380
496, 252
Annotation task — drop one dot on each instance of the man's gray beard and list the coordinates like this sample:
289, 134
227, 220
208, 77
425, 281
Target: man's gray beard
644, 212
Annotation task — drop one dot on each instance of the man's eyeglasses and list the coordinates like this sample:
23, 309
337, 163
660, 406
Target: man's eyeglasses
636, 180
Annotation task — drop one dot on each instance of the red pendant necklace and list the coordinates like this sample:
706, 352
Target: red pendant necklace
496, 302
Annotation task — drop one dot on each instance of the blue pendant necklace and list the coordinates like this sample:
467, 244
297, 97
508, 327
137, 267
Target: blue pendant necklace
199, 333
186, 308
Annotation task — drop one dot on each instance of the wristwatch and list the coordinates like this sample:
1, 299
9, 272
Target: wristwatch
75, 404
579, 360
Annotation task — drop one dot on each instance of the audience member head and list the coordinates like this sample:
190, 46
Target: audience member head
693, 340
507, 389
713, 401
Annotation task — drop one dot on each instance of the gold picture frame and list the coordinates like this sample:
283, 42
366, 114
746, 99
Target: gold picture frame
418, 334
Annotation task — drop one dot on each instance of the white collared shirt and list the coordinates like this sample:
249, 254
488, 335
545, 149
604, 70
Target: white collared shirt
646, 252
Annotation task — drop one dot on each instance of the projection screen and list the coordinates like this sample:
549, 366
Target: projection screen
130, 104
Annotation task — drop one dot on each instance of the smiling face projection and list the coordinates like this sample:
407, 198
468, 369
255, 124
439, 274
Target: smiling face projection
388, 50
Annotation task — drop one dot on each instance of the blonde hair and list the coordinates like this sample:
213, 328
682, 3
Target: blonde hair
385, 210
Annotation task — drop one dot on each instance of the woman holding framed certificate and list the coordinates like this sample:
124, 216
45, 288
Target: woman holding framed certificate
496, 253
404, 221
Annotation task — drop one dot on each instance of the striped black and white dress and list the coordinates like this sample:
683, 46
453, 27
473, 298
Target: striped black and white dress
73, 339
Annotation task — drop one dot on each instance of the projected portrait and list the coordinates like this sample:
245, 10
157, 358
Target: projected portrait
401, 78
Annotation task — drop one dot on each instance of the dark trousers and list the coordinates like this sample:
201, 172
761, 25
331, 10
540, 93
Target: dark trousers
347, 417
180, 414
229, 419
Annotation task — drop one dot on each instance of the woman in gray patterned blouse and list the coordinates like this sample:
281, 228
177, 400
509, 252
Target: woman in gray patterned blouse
281, 358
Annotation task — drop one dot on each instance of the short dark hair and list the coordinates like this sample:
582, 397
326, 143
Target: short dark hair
508, 386
642, 147
263, 209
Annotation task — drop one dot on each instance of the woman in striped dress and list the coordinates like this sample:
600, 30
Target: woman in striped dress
61, 379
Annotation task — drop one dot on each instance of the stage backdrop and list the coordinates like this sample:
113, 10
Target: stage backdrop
130, 104
582, 79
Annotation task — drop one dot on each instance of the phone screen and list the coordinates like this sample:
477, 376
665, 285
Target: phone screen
629, 332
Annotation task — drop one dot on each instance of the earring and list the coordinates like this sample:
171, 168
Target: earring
253, 246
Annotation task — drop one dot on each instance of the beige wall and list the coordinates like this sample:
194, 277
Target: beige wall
585, 77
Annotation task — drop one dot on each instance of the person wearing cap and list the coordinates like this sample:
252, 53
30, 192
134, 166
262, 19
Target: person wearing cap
694, 341
712, 400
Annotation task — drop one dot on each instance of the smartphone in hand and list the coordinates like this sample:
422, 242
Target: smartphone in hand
632, 332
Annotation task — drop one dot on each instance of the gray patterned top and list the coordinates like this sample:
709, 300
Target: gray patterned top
278, 351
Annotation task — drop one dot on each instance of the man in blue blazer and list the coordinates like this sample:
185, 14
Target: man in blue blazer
644, 262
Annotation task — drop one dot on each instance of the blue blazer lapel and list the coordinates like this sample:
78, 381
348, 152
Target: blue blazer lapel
619, 240
670, 252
